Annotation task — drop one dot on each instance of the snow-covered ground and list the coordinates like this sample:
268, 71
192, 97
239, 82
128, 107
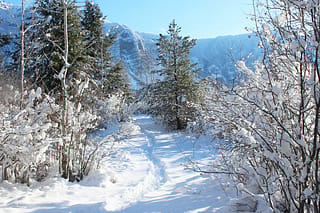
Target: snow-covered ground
145, 173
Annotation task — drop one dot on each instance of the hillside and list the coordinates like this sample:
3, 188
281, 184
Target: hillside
216, 56
138, 51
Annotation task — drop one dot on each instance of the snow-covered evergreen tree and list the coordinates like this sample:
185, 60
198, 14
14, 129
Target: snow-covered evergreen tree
98, 56
173, 97
48, 34
117, 80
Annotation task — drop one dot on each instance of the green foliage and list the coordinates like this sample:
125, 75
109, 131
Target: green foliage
174, 98
4, 40
97, 45
48, 33
118, 81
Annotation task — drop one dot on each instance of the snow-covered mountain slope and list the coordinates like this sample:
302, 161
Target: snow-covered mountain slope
215, 56
9, 18
138, 51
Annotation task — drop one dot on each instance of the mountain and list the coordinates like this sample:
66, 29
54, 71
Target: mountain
9, 18
138, 51
216, 56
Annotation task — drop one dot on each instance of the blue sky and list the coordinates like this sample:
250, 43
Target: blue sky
198, 18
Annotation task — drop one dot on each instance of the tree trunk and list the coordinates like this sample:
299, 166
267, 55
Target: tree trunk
64, 122
22, 34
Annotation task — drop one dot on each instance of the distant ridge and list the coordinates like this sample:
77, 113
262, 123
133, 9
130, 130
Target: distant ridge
216, 56
138, 51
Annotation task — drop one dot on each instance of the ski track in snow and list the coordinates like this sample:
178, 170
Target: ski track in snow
146, 173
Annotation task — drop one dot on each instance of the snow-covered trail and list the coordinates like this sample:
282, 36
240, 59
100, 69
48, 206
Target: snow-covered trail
180, 190
146, 173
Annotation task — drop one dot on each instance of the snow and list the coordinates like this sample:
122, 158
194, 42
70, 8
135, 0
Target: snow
145, 173
215, 56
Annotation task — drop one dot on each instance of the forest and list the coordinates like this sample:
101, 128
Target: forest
61, 84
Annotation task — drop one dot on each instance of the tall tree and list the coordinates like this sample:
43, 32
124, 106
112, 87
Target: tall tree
117, 80
62, 67
174, 96
22, 59
49, 34
97, 51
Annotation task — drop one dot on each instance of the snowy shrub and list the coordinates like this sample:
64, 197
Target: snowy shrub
75, 153
31, 139
115, 108
202, 120
26, 134
78, 153
77, 149
271, 120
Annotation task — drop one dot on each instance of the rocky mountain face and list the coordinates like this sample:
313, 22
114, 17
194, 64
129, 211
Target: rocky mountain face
216, 57
138, 51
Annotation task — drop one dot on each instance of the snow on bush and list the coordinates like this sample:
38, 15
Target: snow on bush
31, 139
271, 119
78, 150
115, 108
76, 153
202, 122
26, 134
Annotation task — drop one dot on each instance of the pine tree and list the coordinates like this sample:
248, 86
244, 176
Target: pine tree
93, 20
97, 53
174, 96
116, 80
48, 33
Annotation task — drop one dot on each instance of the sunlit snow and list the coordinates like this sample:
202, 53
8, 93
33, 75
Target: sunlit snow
145, 173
